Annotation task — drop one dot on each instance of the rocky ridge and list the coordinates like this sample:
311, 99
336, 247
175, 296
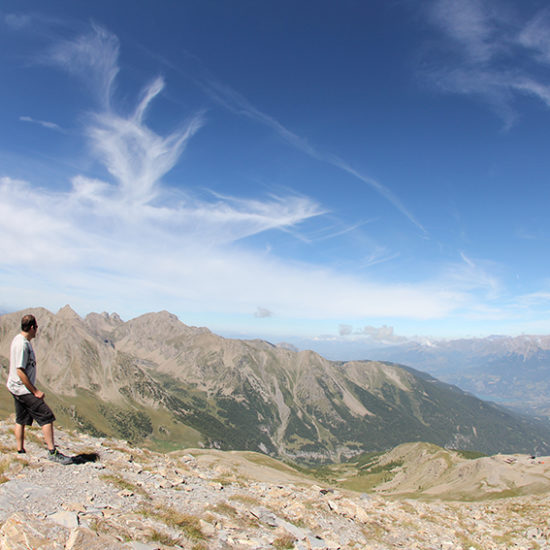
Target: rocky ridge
137, 499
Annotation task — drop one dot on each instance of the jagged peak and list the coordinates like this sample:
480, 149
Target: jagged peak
288, 347
116, 318
67, 312
113, 318
163, 315
308, 354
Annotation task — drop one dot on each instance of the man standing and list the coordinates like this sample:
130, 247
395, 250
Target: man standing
29, 401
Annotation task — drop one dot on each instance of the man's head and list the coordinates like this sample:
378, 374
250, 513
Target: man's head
29, 325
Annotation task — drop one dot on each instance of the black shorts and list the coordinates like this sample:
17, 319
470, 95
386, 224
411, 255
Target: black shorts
29, 408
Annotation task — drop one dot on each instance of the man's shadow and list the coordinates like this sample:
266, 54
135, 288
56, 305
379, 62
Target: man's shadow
82, 458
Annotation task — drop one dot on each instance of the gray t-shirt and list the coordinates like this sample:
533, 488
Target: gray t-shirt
21, 357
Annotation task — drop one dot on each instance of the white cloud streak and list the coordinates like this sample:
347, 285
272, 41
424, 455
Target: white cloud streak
238, 104
92, 57
498, 56
16, 21
383, 334
535, 36
43, 123
134, 155
471, 23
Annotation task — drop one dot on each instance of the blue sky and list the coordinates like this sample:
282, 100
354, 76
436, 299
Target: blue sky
292, 170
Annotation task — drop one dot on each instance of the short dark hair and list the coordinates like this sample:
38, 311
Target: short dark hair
28, 322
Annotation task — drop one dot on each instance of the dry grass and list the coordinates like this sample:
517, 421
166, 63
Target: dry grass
4, 449
34, 436
246, 499
466, 542
163, 538
189, 525
103, 526
283, 542
229, 511
224, 509
124, 485
11, 465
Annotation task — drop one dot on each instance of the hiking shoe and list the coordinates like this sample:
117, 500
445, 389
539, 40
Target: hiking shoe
58, 457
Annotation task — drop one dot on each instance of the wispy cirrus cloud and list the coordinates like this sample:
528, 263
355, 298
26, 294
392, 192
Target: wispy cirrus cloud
473, 25
93, 57
133, 154
238, 104
16, 21
497, 55
534, 35
43, 123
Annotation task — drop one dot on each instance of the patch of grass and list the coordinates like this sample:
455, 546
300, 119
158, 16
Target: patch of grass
506, 493
189, 525
122, 484
13, 464
383, 467
408, 508
364, 460
246, 499
170, 434
132, 425
32, 435
264, 460
224, 479
283, 542
297, 522
114, 446
163, 538
373, 530
23, 461
469, 455
224, 509
466, 542
102, 526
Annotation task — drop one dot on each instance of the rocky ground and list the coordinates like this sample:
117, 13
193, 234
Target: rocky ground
132, 498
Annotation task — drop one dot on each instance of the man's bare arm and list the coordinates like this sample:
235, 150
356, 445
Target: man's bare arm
27, 383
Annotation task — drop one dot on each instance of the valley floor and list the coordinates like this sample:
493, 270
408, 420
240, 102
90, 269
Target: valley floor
137, 499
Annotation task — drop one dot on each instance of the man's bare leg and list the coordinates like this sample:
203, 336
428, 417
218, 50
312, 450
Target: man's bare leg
47, 432
20, 437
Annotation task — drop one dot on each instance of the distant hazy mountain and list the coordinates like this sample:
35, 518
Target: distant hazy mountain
155, 379
514, 371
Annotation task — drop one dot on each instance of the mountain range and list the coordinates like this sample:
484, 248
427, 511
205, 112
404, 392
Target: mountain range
155, 380
511, 371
